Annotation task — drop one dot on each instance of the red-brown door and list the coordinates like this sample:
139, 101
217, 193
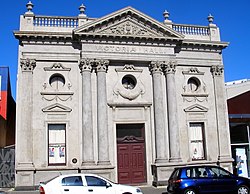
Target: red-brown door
131, 156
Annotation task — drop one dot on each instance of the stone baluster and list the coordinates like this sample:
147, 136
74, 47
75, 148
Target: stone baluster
159, 118
102, 115
87, 122
173, 126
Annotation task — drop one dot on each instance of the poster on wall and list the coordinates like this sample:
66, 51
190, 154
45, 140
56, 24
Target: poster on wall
57, 154
241, 162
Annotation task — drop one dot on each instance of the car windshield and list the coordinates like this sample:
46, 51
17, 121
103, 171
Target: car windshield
45, 182
218, 172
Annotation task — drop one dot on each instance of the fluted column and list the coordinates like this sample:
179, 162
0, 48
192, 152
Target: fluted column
173, 126
159, 119
24, 148
221, 113
87, 126
102, 115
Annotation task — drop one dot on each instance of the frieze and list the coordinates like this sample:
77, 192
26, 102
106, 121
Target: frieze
128, 49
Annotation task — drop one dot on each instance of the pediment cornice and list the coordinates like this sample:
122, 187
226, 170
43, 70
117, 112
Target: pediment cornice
128, 22
56, 108
196, 108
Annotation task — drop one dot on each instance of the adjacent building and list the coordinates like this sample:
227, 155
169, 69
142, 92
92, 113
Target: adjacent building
7, 130
238, 100
123, 96
7, 110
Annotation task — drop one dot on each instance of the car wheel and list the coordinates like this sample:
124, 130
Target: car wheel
243, 189
189, 191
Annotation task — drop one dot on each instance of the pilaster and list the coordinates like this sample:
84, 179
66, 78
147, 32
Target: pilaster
159, 119
24, 139
102, 115
169, 69
224, 154
87, 122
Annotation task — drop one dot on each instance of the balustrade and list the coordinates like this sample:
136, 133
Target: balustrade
192, 30
50, 21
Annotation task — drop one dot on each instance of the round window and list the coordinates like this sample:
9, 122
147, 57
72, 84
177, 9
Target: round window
129, 82
57, 81
193, 84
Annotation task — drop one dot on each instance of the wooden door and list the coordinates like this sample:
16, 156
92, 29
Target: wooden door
131, 157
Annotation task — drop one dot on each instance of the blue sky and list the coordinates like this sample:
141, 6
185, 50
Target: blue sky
232, 17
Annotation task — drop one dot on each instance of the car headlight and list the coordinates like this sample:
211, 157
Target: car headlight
138, 190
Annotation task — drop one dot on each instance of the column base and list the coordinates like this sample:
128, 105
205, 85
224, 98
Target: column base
177, 160
25, 166
88, 163
106, 163
161, 160
225, 158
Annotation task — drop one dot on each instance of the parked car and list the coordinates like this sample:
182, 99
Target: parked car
83, 184
206, 179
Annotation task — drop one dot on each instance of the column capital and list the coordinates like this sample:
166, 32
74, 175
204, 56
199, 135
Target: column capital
85, 65
156, 66
101, 65
27, 64
170, 67
217, 70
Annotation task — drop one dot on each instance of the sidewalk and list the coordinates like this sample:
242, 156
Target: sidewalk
145, 190
153, 190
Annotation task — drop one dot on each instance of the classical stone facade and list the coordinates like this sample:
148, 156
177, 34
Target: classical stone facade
124, 96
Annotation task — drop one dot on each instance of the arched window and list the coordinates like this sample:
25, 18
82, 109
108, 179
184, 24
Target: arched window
57, 81
193, 84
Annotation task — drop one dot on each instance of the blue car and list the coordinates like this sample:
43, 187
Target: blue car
206, 179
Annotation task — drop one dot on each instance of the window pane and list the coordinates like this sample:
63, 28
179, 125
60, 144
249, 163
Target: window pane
196, 141
124, 130
57, 144
238, 133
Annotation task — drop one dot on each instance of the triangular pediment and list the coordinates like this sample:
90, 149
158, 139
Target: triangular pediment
128, 22
196, 108
57, 108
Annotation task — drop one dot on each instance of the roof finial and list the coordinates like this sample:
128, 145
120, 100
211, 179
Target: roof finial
166, 15
210, 19
167, 21
82, 9
29, 6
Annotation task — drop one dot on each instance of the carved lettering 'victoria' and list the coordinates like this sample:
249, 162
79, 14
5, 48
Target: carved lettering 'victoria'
128, 49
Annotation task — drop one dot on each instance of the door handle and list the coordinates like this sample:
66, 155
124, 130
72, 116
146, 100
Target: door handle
90, 190
66, 189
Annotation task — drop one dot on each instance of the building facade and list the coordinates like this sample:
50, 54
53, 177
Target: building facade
123, 96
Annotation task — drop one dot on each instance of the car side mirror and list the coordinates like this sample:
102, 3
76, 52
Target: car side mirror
108, 185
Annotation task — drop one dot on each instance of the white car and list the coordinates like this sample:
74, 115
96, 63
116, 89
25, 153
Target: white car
83, 184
